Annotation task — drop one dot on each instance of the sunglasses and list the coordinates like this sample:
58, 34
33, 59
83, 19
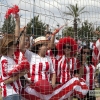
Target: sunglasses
68, 47
86, 53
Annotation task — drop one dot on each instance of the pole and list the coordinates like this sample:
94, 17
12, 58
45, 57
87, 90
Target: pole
33, 15
58, 27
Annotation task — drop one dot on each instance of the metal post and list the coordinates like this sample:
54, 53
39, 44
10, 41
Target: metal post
58, 27
33, 15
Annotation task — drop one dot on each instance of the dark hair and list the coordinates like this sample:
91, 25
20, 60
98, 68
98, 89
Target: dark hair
35, 48
89, 59
48, 32
54, 51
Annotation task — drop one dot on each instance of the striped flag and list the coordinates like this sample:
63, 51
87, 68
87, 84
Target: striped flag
61, 91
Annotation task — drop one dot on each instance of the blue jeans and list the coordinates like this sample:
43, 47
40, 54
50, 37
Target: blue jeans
12, 97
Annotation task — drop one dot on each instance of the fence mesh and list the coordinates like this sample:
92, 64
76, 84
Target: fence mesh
52, 14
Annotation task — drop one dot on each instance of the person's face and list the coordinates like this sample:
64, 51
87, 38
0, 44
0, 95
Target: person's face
85, 54
43, 49
48, 36
67, 49
27, 42
12, 49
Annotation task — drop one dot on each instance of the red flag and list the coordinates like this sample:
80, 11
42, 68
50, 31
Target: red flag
13, 10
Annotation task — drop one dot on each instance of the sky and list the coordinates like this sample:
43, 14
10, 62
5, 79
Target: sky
51, 11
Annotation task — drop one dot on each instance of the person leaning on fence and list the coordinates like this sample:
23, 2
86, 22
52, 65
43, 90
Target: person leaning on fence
18, 55
87, 70
10, 86
98, 76
68, 66
40, 67
10, 70
63, 73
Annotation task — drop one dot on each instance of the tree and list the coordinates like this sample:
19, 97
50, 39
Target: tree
97, 32
9, 25
75, 12
36, 27
86, 31
98, 28
68, 31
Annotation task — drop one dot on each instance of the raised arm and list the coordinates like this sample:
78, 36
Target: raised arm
52, 45
17, 26
22, 41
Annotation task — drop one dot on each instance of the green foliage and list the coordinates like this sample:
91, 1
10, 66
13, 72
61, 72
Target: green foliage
75, 12
98, 29
68, 31
38, 29
86, 31
9, 25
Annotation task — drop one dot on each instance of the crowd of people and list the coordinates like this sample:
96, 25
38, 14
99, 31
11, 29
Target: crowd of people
45, 68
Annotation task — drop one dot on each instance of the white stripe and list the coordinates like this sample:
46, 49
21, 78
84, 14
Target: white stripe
83, 83
94, 56
43, 69
63, 58
70, 64
93, 86
16, 85
58, 68
66, 79
20, 57
36, 73
75, 64
79, 89
87, 75
10, 90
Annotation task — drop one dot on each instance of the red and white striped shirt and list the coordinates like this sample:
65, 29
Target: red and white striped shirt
39, 66
64, 73
8, 64
19, 57
49, 53
89, 72
96, 52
